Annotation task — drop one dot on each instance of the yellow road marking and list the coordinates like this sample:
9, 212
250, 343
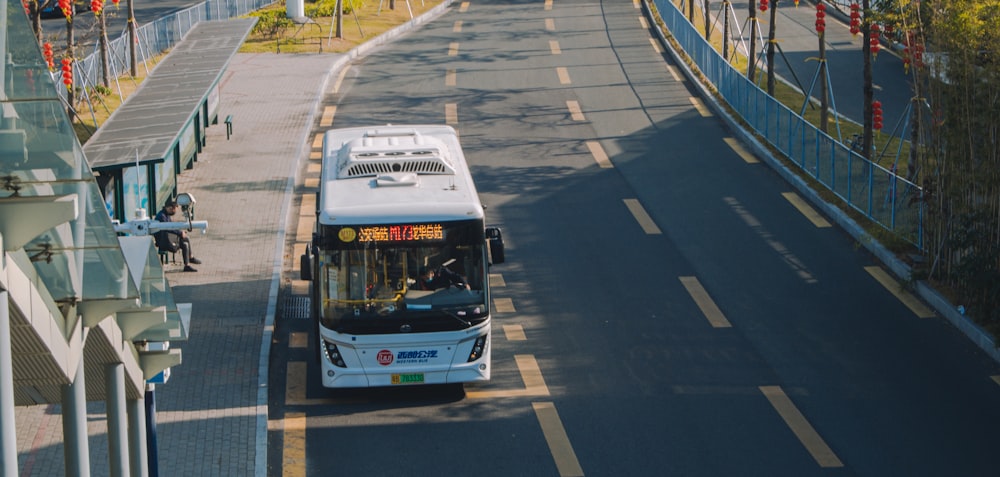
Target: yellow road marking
563, 75
645, 221
514, 333
656, 46
575, 112
636, 4
554, 47
896, 289
449, 78
308, 205
548, 4
806, 210
304, 230
503, 305
313, 168
311, 182
298, 287
555, 436
496, 280
318, 141
800, 427
600, 156
453, 49
644, 23
550, 24
458, 27
314, 155
298, 339
700, 106
295, 383
451, 113
740, 150
327, 119
294, 453
534, 383
295, 388
339, 82
708, 307
673, 72
464, 7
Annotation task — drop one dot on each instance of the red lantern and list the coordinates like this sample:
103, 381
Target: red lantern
763, 5
27, 7
877, 115
855, 18
820, 18
49, 59
115, 2
96, 6
873, 39
67, 73
67, 8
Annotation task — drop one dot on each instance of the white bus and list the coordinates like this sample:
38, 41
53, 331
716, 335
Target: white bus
399, 260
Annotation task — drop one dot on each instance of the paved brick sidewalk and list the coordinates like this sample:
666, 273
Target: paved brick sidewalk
208, 413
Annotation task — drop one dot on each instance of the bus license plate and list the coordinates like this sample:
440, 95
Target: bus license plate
412, 378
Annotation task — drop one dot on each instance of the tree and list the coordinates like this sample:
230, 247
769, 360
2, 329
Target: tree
771, 45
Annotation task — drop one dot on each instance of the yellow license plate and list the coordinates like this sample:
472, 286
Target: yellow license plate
411, 378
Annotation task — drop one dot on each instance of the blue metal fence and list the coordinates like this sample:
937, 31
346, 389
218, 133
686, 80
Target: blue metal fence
878, 193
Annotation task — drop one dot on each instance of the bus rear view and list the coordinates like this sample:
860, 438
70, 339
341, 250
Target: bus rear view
399, 260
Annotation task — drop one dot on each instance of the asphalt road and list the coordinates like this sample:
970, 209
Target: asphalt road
725, 334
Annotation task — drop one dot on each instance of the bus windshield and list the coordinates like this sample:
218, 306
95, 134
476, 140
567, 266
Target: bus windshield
403, 278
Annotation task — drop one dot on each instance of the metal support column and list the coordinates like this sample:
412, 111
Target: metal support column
154, 465
137, 438
8, 435
74, 418
114, 380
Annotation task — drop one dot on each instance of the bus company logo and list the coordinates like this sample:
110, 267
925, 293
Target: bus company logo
384, 357
347, 234
416, 357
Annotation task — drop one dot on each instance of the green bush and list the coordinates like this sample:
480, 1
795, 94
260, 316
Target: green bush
327, 8
271, 23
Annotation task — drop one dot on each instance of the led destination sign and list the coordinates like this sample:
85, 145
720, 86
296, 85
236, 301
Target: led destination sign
392, 233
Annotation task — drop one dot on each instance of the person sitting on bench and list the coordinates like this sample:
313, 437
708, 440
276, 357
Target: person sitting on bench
174, 240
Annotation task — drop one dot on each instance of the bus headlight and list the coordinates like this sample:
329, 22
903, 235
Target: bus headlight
478, 348
333, 354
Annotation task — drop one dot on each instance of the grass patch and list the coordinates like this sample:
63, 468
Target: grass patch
363, 21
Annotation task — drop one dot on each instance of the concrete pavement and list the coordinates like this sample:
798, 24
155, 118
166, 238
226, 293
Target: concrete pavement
211, 419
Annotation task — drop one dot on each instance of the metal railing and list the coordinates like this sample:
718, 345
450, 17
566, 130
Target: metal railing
876, 192
158, 36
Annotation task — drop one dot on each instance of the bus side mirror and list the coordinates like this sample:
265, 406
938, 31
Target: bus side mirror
305, 266
495, 240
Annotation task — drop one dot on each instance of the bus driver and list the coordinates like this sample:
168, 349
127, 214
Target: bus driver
443, 278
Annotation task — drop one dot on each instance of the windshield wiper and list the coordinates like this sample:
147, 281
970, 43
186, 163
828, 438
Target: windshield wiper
455, 316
